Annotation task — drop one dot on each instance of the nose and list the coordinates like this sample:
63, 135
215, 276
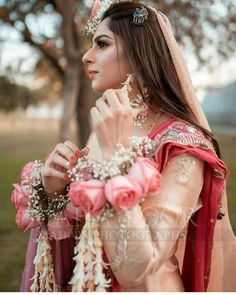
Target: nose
87, 57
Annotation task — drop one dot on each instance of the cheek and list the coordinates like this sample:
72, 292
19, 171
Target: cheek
111, 72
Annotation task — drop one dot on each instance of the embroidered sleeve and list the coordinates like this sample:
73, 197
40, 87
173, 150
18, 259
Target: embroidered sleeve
184, 134
155, 226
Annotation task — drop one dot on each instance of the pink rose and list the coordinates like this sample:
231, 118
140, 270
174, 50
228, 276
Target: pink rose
122, 192
145, 172
23, 221
59, 227
19, 196
26, 172
88, 196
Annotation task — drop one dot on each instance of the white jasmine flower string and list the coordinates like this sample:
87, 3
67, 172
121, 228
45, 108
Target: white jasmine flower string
44, 277
88, 271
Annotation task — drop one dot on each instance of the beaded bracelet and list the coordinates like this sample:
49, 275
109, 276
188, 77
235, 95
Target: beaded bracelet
57, 203
37, 203
40, 207
124, 158
120, 163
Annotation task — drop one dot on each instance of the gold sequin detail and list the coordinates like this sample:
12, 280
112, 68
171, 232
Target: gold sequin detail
184, 134
184, 166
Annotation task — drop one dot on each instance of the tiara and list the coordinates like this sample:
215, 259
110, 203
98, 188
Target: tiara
100, 6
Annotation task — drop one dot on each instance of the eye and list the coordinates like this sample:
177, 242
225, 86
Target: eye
101, 44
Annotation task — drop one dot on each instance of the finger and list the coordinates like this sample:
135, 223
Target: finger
84, 151
103, 107
123, 97
112, 99
51, 172
95, 116
71, 146
58, 160
47, 157
63, 151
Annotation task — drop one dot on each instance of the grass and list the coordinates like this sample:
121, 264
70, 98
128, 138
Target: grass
228, 148
20, 145
16, 149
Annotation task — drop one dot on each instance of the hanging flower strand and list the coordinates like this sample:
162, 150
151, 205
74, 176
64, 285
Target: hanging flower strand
113, 186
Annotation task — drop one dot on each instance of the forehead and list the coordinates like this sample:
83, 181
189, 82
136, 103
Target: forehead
104, 29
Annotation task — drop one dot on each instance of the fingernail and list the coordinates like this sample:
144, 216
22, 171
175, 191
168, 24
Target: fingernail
66, 176
73, 159
78, 153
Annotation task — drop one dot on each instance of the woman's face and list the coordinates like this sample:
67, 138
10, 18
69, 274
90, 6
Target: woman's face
105, 60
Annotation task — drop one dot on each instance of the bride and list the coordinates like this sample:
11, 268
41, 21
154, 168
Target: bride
136, 66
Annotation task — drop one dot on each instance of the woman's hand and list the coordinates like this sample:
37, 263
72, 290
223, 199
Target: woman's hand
112, 120
54, 177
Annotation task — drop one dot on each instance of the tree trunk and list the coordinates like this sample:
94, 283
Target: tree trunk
71, 81
84, 103
69, 97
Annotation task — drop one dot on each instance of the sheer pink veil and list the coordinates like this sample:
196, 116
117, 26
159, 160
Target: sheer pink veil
223, 261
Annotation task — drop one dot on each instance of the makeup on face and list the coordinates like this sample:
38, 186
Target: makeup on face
106, 65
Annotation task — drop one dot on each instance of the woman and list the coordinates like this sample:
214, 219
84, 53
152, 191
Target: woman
185, 250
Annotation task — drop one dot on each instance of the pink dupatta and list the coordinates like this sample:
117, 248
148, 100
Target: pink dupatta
199, 244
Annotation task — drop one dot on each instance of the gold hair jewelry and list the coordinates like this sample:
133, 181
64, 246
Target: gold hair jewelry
100, 6
140, 15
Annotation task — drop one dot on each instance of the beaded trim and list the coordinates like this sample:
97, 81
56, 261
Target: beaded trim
185, 134
121, 243
122, 256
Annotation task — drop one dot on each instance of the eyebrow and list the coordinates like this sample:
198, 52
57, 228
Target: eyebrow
100, 36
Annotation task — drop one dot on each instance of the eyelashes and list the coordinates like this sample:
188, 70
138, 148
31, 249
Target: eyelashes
101, 44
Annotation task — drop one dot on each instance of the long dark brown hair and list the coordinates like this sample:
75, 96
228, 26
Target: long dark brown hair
150, 61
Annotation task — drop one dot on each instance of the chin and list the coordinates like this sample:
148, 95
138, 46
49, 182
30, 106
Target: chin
98, 88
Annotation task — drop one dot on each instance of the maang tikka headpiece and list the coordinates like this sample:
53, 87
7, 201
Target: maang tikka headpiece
100, 6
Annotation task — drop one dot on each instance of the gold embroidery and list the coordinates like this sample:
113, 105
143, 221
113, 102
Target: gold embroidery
184, 134
122, 239
186, 139
184, 166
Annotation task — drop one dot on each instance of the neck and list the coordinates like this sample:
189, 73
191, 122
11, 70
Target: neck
153, 119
